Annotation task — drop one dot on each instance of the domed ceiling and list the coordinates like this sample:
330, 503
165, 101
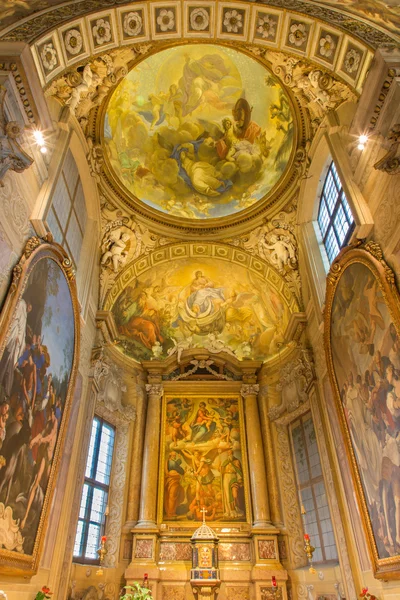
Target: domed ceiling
198, 131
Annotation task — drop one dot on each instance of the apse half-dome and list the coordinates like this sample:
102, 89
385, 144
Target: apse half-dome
198, 132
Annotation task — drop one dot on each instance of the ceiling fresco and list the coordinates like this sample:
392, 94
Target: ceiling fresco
206, 303
199, 131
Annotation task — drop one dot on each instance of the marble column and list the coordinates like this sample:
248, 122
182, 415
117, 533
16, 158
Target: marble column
255, 449
150, 467
136, 460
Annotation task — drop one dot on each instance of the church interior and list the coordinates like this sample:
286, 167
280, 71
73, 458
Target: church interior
200, 310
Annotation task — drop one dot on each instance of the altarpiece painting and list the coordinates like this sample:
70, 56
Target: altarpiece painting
38, 358
362, 344
204, 460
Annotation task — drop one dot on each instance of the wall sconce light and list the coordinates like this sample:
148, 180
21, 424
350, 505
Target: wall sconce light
39, 139
362, 140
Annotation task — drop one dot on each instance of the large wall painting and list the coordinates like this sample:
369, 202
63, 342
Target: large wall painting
363, 352
203, 460
200, 303
38, 357
199, 131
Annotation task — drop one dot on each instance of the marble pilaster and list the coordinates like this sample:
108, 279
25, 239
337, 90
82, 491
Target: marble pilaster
272, 476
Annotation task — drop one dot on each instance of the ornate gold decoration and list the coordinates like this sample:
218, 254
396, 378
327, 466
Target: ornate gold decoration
369, 255
390, 163
17, 563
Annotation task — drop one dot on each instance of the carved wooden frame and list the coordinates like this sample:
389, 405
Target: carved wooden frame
370, 255
37, 249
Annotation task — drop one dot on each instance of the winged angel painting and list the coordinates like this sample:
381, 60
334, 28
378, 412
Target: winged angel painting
203, 460
199, 132
200, 304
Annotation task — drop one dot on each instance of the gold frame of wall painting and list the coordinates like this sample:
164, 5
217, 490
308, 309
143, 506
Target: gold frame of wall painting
36, 250
195, 522
370, 256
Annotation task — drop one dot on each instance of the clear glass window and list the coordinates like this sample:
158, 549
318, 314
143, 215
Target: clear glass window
311, 489
95, 492
335, 220
67, 215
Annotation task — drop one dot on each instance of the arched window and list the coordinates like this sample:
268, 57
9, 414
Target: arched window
335, 220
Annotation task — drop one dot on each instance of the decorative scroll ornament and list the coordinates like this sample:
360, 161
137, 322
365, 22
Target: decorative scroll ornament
204, 364
110, 382
390, 163
295, 378
12, 156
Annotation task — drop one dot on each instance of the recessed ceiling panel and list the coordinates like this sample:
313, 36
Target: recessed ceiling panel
198, 131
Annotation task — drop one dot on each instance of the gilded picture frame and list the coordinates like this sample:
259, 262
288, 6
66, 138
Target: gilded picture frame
39, 353
209, 459
362, 346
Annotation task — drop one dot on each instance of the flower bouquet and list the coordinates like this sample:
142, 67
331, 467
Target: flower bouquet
366, 595
44, 593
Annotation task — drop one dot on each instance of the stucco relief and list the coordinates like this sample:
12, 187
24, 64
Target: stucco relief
14, 208
173, 592
388, 214
294, 379
108, 405
124, 239
282, 547
275, 241
237, 593
289, 498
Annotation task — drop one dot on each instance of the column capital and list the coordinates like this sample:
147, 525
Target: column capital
249, 389
154, 389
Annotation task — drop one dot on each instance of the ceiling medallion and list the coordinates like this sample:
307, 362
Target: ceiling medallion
198, 131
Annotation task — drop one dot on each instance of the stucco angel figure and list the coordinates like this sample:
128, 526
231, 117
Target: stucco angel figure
216, 345
282, 250
114, 249
88, 79
180, 346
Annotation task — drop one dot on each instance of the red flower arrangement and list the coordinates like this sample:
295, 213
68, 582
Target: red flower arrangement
366, 595
44, 593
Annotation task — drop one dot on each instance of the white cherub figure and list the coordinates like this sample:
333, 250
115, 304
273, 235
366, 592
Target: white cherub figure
157, 350
88, 79
116, 249
180, 346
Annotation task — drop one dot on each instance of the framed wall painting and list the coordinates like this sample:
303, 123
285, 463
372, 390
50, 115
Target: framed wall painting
362, 343
203, 460
39, 348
